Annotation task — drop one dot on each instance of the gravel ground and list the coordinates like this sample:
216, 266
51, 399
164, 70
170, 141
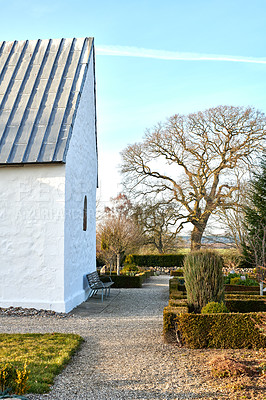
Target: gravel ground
124, 356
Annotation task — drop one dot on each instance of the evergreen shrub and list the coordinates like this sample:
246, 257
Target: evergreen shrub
157, 260
178, 302
177, 272
127, 281
214, 308
245, 305
235, 279
204, 279
242, 289
214, 330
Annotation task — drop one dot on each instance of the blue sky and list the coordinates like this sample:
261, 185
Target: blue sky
135, 92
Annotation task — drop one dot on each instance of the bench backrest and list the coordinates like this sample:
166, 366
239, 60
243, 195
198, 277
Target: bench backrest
94, 279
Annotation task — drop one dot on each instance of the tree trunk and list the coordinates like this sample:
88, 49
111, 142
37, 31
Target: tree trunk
196, 236
118, 257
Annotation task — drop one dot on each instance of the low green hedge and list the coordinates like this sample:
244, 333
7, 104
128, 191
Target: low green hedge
181, 302
127, 281
214, 330
176, 284
177, 272
124, 281
245, 305
242, 289
177, 294
243, 296
160, 260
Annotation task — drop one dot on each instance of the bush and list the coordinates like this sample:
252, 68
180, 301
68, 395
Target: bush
177, 294
157, 260
127, 281
243, 296
129, 268
13, 379
181, 302
214, 308
246, 305
242, 289
204, 279
177, 272
235, 279
215, 330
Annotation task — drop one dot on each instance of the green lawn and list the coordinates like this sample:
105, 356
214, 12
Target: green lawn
46, 355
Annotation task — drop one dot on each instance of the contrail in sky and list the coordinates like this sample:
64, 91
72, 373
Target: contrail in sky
126, 51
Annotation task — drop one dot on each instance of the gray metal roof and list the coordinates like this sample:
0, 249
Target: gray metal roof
41, 82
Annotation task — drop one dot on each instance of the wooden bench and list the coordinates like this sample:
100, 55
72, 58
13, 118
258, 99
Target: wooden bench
96, 284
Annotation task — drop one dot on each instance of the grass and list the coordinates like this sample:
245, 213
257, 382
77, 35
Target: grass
46, 355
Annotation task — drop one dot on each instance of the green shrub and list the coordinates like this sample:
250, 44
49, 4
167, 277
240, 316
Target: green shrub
157, 260
169, 319
176, 294
173, 284
246, 305
14, 379
235, 279
215, 330
177, 272
181, 302
242, 289
243, 296
127, 281
204, 279
129, 268
214, 308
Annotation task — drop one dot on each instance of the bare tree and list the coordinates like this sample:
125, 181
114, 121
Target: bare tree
118, 233
188, 159
157, 222
232, 217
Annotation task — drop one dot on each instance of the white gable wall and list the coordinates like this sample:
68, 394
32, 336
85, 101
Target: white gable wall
32, 236
81, 181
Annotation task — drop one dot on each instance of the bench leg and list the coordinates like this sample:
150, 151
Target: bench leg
102, 295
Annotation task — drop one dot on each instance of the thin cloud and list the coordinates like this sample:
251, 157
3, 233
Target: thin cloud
126, 51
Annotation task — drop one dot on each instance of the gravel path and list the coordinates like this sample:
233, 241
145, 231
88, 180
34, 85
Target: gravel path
123, 356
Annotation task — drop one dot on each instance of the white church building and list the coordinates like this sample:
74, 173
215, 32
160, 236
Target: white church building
48, 172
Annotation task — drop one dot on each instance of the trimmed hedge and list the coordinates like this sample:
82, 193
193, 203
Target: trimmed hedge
241, 288
160, 260
214, 330
175, 284
181, 302
243, 296
177, 272
127, 281
245, 305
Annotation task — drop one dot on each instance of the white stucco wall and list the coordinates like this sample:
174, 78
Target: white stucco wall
44, 251
81, 181
32, 236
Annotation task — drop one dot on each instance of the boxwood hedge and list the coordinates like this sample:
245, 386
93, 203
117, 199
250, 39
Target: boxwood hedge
246, 305
127, 281
160, 260
214, 330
